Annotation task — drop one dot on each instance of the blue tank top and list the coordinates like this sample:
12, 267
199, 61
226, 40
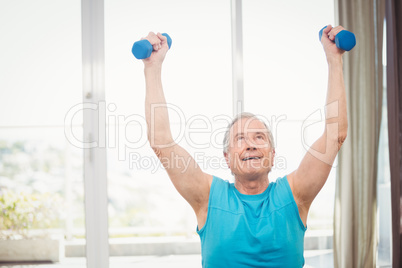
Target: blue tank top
263, 230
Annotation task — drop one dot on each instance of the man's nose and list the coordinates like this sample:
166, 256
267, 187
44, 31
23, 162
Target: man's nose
250, 145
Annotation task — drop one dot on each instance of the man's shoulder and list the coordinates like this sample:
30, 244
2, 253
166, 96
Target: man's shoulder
280, 190
220, 182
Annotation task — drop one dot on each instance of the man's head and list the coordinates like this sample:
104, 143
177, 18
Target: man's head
248, 146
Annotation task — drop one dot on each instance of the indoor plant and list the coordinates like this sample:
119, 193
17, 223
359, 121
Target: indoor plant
24, 223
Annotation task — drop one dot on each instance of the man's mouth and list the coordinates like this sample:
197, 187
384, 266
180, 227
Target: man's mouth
250, 158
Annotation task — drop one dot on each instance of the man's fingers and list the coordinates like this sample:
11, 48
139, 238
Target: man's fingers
325, 33
162, 38
327, 29
157, 40
331, 32
334, 31
154, 40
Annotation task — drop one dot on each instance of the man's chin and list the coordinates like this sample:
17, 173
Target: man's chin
254, 171
253, 166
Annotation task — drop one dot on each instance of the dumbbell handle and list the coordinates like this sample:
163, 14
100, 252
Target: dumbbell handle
344, 40
143, 49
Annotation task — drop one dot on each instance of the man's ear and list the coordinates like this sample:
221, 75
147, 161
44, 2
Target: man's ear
227, 158
273, 157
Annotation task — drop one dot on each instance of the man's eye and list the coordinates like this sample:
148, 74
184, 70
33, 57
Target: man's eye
240, 138
260, 137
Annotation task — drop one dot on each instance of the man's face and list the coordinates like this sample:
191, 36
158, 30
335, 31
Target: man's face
249, 152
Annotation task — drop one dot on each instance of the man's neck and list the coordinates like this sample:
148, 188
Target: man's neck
251, 186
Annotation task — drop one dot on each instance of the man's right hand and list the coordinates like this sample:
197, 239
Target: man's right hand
160, 48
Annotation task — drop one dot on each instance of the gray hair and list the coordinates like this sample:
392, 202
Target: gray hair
237, 118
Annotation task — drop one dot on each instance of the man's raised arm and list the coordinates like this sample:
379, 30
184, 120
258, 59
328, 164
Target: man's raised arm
190, 181
316, 165
159, 134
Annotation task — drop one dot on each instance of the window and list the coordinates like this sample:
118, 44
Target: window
40, 80
285, 80
197, 84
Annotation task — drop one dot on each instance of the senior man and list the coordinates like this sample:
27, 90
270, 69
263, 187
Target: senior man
252, 222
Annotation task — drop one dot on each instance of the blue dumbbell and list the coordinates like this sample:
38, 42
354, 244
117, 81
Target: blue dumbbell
143, 49
344, 40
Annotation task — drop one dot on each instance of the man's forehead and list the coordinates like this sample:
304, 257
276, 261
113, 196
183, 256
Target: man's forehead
248, 125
